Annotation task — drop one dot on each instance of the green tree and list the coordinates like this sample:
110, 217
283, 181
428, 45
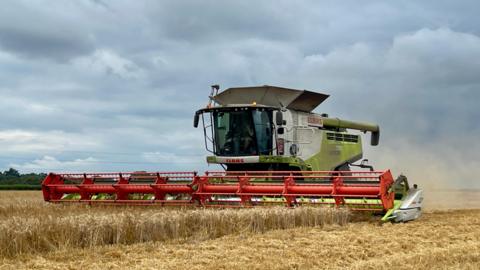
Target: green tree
11, 173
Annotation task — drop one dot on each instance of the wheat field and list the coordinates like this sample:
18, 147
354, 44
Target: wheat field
29, 226
35, 235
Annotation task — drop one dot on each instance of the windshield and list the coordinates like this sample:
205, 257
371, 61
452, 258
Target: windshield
245, 132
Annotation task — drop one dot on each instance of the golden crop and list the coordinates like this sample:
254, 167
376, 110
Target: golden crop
28, 225
45, 236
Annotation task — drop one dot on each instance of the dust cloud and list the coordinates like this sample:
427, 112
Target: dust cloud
447, 171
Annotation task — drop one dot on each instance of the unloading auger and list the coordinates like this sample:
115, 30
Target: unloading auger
273, 149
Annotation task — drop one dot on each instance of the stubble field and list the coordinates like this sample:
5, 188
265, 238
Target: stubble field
35, 235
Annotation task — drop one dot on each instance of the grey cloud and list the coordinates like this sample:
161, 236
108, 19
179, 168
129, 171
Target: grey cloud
44, 45
427, 73
31, 29
218, 21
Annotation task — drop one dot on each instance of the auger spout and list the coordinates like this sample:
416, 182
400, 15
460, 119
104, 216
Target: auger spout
345, 124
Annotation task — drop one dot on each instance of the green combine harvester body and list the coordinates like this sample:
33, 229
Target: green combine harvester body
273, 128
268, 128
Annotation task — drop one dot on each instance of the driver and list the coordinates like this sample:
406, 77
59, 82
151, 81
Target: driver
248, 140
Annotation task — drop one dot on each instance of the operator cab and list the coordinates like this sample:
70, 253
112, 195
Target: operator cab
239, 131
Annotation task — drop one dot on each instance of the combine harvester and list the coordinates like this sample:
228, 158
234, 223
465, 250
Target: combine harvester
274, 151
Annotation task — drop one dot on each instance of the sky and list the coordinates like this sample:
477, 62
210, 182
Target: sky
113, 85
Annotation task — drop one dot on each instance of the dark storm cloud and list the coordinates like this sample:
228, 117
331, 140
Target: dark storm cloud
33, 30
39, 45
82, 82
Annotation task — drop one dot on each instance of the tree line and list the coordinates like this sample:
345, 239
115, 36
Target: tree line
13, 179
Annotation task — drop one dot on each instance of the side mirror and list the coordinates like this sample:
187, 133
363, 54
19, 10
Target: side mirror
279, 118
280, 130
196, 118
375, 138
